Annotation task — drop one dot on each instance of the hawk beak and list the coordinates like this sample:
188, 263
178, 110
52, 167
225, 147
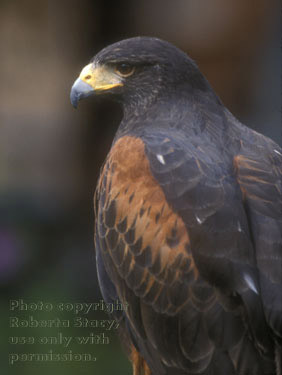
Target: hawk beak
79, 90
93, 80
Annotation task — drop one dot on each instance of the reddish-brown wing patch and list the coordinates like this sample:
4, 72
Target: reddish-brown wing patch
148, 242
140, 366
260, 183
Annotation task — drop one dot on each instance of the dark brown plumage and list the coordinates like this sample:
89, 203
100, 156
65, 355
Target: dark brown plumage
188, 219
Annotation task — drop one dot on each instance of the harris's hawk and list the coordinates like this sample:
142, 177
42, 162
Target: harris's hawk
188, 218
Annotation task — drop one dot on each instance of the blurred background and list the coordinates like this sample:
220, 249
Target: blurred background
50, 154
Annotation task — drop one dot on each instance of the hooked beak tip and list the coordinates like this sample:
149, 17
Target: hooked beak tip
74, 100
79, 90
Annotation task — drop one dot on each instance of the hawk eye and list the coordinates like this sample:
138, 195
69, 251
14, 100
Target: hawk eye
124, 70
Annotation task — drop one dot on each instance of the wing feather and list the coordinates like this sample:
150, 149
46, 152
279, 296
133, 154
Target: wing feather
177, 241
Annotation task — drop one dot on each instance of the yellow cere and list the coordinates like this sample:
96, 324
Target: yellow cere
100, 77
